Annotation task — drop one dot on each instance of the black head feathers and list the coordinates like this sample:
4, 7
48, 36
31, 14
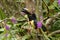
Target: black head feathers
25, 10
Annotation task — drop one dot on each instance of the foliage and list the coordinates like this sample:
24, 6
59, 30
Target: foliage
15, 26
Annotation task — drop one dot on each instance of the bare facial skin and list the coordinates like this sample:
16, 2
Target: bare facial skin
22, 13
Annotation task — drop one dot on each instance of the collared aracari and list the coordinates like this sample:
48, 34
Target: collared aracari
31, 17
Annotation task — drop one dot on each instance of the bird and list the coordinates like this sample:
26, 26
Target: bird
31, 17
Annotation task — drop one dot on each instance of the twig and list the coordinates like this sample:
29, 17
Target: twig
3, 20
10, 19
58, 31
54, 17
46, 7
44, 34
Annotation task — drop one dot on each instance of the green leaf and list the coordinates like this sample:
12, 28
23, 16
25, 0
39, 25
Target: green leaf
56, 25
51, 7
2, 14
47, 1
2, 29
25, 37
55, 4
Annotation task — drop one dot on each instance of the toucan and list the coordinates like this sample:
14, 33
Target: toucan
31, 17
